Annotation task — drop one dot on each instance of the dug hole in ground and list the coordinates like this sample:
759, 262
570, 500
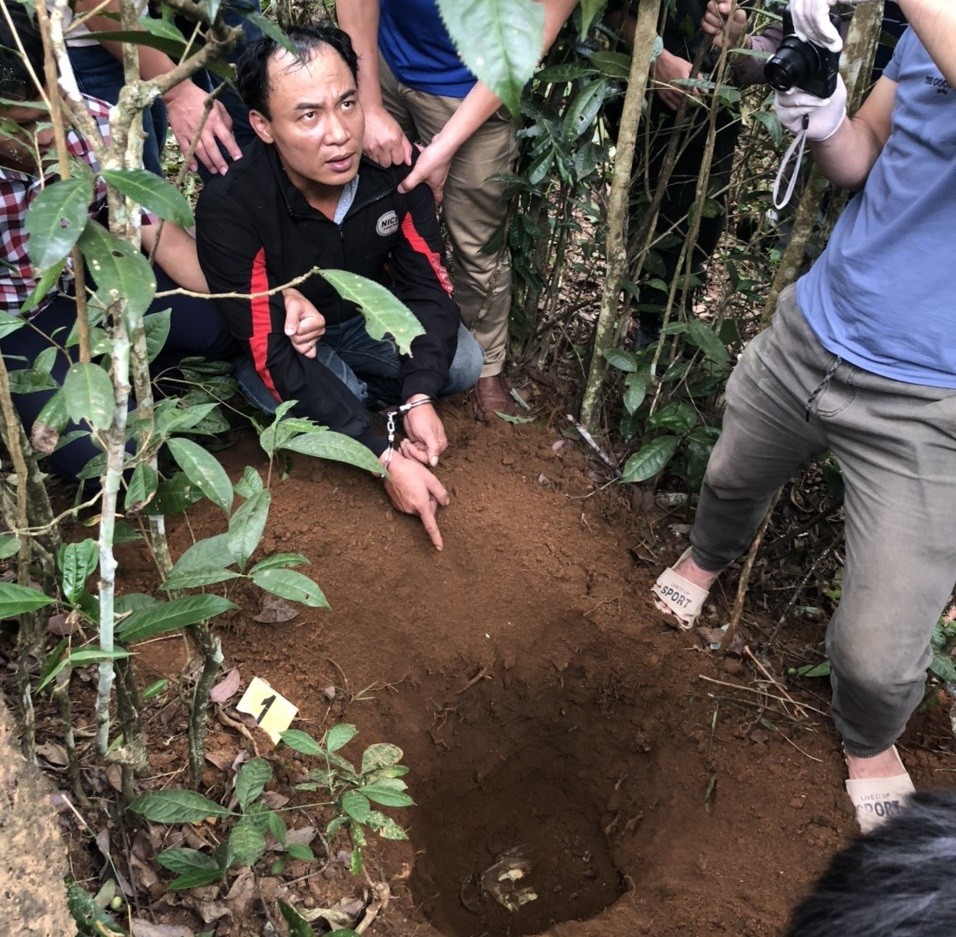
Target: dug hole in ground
551, 720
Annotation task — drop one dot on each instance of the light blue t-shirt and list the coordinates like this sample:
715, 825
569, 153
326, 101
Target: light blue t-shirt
882, 295
414, 42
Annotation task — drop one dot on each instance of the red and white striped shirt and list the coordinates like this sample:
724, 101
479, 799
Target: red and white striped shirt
17, 192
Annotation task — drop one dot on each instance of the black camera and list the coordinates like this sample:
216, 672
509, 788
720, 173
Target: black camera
801, 64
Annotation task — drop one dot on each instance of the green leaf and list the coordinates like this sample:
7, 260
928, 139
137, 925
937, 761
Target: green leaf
81, 658
326, 444
142, 488
356, 806
203, 470
77, 562
247, 525
339, 736
385, 314
279, 561
288, 584
301, 741
46, 282
181, 860
156, 327
177, 806
152, 192
120, 271
300, 851
155, 688
196, 879
56, 219
89, 394
616, 65
814, 670
385, 796
198, 578
9, 546
499, 40
174, 495
250, 484
10, 323
650, 459
206, 554
272, 30
276, 826
707, 340
583, 110
298, 925
246, 844
251, 780
385, 826
380, 755
620, 359
16, 599
678, 416
635, 390
171, 616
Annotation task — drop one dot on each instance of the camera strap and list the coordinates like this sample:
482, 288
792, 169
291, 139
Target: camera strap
793, 154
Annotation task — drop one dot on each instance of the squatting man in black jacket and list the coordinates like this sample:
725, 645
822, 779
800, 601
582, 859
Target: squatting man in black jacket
302, 197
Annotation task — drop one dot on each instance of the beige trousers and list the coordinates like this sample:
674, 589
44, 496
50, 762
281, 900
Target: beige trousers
473, 209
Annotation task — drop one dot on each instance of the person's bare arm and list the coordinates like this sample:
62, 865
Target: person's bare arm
477, 106
385, 142
934, 21
176, 254
847, 156
185, 102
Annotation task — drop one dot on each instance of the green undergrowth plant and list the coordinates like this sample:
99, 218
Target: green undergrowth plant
353, 790
255, 829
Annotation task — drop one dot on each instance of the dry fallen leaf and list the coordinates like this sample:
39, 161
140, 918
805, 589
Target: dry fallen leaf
275, 611
227, 687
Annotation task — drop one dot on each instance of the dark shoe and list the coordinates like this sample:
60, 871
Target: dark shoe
490, 396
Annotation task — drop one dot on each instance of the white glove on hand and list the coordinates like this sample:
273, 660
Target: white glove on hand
811, 21
825, 114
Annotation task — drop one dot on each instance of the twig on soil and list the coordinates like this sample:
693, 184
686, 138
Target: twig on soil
481, 675
745, 577
797, 706
761, 692
589, 439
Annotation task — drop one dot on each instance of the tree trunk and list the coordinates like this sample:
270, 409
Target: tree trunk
32, 855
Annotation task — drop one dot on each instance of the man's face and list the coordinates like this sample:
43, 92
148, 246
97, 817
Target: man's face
316, 121
21, 137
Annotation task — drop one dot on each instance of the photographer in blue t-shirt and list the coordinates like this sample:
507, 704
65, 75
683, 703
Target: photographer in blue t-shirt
861, 361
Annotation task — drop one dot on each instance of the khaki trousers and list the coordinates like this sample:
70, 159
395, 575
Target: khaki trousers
473, 209
790, 399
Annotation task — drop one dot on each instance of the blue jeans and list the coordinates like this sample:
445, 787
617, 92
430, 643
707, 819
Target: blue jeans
100, 75
368, 367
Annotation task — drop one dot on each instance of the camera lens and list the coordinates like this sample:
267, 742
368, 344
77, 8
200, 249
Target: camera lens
794, 62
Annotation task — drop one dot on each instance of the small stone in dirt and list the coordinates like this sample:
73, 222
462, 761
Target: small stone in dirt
798, 802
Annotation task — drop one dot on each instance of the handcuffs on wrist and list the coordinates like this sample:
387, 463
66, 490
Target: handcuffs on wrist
390, 425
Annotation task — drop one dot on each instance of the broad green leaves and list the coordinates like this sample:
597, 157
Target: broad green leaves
88, 394
171, 616
154, 194
384, 313
16, 599
56, 219
119, 269
204, 470
499, 40
327, 444
177, 806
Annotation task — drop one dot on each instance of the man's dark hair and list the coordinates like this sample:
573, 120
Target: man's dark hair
15, 79
897, 881
252, 66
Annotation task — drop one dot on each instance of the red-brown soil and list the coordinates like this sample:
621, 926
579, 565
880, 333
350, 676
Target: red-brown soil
541, 702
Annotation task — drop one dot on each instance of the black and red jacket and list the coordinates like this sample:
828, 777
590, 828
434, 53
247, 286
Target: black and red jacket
255, 231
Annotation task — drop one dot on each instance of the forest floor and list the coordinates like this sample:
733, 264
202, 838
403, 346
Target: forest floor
545, 709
